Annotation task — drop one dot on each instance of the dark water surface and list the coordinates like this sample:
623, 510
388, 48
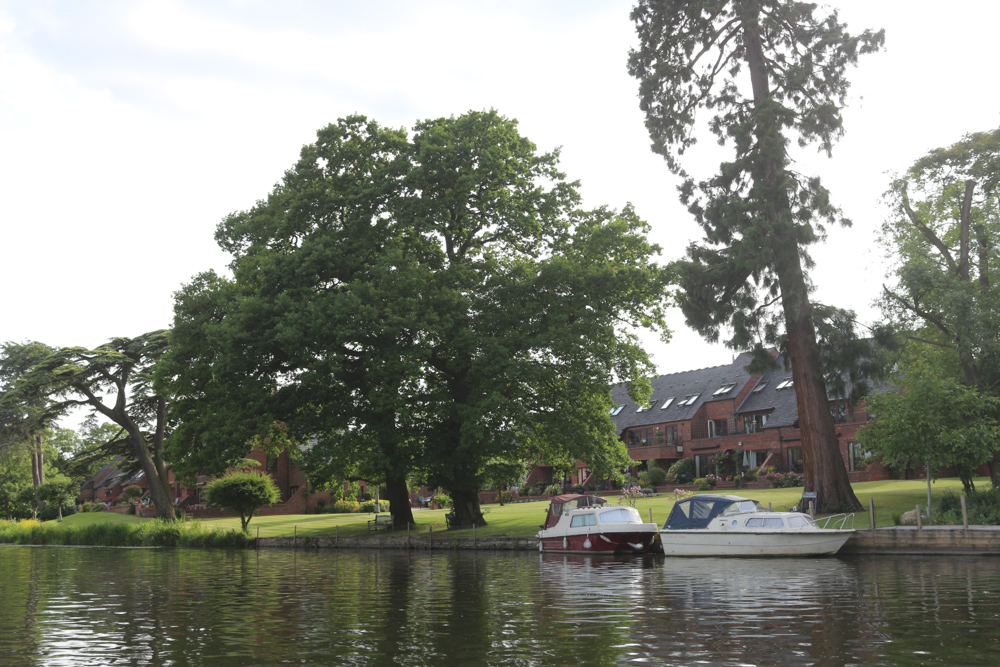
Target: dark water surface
96, 606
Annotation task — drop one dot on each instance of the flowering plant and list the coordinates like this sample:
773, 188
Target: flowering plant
680, 494
629, 496
712, 480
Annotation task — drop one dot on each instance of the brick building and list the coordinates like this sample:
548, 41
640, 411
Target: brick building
702, 413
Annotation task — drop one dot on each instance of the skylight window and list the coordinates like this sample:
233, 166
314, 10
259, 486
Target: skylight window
785, 384
615, 410
689, 400
759, 388
667, 402
724, 389
643, 408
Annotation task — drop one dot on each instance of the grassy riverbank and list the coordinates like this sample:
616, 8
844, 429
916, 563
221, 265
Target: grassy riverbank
119, 530
513, 520
523, 519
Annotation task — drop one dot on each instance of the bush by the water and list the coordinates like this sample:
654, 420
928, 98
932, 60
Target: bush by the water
145, 534
983, 508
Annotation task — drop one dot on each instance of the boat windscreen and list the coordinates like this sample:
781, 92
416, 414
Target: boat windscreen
695, 512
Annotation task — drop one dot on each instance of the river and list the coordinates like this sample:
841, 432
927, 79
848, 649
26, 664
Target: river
98, 606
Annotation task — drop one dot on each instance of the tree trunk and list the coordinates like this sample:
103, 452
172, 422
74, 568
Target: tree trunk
467, 510
399, 500
37, 461
825, 472
160, 491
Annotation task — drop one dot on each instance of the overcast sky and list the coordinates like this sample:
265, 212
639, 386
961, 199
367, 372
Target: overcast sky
129, 129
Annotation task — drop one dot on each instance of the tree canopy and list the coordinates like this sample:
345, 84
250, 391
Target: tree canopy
115, 381
425, 304
769, 72
944, 229
244, 492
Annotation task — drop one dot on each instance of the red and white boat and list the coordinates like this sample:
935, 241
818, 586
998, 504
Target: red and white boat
583, 524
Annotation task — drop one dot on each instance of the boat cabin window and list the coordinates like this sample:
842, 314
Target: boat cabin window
588, 519
800, 521
743, 507
765, 522
621, 515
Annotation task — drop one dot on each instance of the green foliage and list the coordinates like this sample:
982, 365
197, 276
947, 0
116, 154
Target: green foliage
444, 500
132, 492
553, 490
526, 490
982, 507
343, 506
430, 292
655, 475
368, 507
703, 484
934, 418
242, 491
115, 534
682, 471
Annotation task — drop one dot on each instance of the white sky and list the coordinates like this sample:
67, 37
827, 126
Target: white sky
129, 129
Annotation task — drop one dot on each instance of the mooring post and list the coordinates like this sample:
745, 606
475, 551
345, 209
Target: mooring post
432, 537
295, 535
258, 536
768, 508
650, 514
871, 512
965, 514
812, 509
475, 546
920, 519
336, 535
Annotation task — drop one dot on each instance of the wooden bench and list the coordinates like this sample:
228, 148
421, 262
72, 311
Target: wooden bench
383, 521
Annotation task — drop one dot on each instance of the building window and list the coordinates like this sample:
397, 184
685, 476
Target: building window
785, 384
754, 423
643, 408
839, 413
795, 459
718, 427
615, 410
670, 434
689, 400
856, 457
667, 402
724, 389
759, 388
271, 464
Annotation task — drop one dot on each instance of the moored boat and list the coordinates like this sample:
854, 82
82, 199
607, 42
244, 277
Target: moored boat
576, 523
708, 525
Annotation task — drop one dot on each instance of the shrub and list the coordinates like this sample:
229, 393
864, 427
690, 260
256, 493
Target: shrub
132, 492
526, 491
51, 510
656, 475
983, 508
629, 496
346, 506
682, 472
703, 485
712, 480
444, 500
367, 507
320, 507
736, 482
90, 507
553, 490
244, 492
506, 497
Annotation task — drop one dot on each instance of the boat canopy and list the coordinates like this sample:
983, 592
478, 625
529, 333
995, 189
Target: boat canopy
698, 511
559, 503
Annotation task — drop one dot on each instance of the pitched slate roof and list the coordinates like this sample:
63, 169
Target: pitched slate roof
784, 410
679, 386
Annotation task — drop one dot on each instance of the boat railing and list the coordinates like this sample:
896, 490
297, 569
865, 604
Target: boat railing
838, 521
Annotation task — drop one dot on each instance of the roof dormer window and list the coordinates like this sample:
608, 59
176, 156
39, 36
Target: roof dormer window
667, 402
785, 384
689, 400
616, 409
724, 389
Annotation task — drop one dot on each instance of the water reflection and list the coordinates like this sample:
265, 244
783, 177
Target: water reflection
73, 606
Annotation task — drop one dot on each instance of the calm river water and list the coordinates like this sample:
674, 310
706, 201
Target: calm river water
96, 606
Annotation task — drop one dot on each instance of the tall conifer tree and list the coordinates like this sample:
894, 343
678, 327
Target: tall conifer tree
768, 71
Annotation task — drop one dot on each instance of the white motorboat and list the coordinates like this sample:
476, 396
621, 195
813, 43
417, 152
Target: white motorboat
582, 524
708, 525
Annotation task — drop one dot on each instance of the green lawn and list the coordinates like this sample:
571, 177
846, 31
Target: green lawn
523, 519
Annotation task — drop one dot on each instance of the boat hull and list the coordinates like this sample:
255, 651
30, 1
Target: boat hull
631, 542
753, 543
